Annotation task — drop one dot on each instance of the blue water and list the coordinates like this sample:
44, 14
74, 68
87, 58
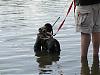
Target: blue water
19, 23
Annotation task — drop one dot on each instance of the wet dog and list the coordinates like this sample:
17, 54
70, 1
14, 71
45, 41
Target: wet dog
45, 40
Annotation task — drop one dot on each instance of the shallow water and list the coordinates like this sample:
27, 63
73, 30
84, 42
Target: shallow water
19, 23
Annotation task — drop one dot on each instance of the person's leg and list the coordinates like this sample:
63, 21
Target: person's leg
85, 42
85, 70
95, 66
96, 42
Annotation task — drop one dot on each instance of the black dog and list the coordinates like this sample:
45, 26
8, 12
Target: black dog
45, 40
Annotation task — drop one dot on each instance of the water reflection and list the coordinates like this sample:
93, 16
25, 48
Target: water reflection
94, 70
46, 59
19, 21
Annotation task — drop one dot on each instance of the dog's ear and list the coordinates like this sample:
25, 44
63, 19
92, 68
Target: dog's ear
39, 29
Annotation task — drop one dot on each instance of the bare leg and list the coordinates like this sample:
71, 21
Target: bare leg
96, 42
95, 66
85, 42
85, 70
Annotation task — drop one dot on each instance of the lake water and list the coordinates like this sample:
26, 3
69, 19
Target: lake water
19, 23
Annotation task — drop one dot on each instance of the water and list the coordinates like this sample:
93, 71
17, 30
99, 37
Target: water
19, 23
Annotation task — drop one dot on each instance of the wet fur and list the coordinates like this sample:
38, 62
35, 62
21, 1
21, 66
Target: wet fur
49, 45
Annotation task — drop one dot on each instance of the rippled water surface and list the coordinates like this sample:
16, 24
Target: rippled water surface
19, 23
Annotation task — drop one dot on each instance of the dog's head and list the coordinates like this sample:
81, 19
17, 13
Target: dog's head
48, 27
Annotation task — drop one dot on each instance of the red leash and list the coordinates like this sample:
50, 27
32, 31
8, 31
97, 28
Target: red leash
66, 15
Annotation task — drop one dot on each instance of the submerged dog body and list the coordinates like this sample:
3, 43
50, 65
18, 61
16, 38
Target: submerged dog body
46, 42
53, 45
50, 45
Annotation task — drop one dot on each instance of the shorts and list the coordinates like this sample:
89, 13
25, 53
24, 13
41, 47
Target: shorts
87, 18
